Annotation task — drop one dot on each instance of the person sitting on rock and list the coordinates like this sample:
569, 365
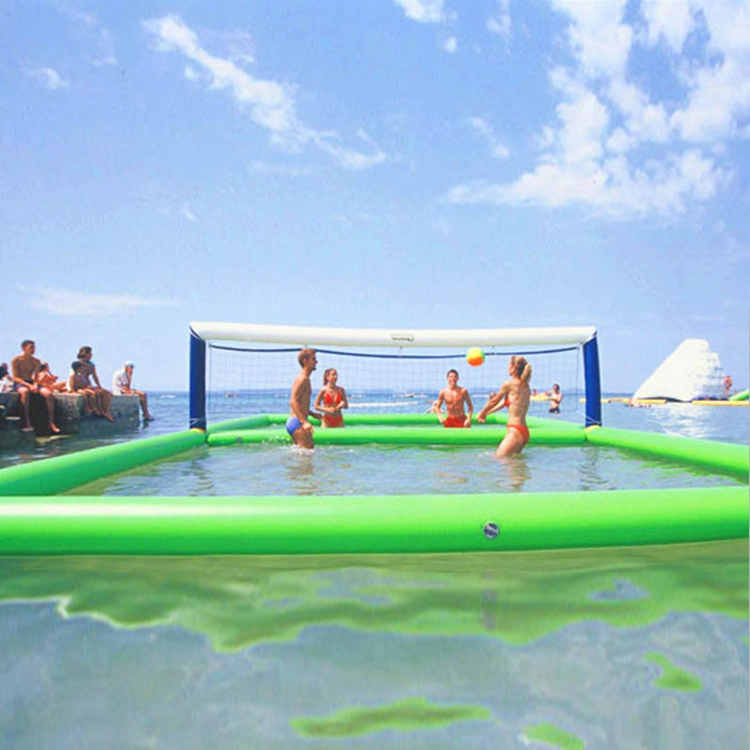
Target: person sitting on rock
24, 369
122, 385
48, 380
88, 371
77, 383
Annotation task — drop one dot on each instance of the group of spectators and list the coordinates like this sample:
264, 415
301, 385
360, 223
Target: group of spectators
28, 375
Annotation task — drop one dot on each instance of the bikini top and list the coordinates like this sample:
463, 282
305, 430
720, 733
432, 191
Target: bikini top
332, 399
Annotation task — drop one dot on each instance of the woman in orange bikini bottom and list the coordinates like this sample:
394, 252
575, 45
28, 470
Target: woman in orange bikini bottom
522, 429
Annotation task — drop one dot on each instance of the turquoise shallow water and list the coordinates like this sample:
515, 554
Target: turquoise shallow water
373, 470
605, 648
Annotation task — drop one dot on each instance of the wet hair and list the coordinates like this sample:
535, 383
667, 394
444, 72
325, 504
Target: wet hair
43, 366
304, 355
556, 385
26, 342
76, 365
83, 351
327, 374
3, 370
521, 368
450, 371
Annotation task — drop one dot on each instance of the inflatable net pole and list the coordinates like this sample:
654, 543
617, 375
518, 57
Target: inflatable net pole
197, 382
593, 383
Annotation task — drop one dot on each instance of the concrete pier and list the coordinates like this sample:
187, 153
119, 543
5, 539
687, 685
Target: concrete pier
69, 417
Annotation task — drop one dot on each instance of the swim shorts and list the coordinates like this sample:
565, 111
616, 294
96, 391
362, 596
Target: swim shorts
454, 422
522, 429
292, 425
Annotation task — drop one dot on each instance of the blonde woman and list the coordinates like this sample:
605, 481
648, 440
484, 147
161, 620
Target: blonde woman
514, 394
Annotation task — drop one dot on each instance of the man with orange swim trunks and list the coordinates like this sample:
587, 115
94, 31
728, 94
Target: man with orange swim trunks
515, 395
454, 397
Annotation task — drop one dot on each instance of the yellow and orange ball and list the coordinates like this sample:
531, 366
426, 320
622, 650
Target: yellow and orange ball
475, 356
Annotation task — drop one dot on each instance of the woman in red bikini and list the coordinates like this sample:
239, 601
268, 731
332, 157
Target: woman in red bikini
514, 394
331, 399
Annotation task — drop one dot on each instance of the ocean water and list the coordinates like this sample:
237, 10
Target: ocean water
618, 648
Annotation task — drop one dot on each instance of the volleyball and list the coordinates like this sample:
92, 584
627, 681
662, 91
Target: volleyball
475, 356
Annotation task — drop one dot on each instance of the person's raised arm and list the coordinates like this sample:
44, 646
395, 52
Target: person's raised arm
495, 402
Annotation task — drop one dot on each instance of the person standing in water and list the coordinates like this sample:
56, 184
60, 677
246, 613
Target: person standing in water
555, 399
454, 396
298, 425
514, 394
331, 399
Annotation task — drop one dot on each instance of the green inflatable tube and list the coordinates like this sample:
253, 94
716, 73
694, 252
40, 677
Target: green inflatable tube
417, 436
741, 396
242, 423
727, 458
62, 473
379, 524
383, 420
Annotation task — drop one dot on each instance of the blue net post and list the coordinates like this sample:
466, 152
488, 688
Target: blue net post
593, 382
197, 382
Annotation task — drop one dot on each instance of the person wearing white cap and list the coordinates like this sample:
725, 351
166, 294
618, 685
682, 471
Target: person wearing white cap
122, 386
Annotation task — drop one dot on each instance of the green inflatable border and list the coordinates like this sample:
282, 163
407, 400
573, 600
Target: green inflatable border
36, 520
374, 524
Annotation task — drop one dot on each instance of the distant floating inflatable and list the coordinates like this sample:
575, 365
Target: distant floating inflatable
691, 372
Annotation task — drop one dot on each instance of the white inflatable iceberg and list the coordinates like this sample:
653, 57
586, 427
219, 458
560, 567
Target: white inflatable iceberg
692, 371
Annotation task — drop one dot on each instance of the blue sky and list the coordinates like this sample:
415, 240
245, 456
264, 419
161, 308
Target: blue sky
389, 163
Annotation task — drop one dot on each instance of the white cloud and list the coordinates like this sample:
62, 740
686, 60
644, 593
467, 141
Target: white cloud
611, 147
66, 303
49, 78
423, 11
670, 20
450, 45
187, 213
719, 100
271, 104
596, 35
497, 149
613, 187
500, 23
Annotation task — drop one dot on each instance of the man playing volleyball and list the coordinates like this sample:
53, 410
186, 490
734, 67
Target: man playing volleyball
454, 396
299, 402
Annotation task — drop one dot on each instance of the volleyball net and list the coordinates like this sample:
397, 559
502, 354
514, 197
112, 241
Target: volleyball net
239, 369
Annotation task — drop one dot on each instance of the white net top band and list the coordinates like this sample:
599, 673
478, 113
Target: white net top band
384, 337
